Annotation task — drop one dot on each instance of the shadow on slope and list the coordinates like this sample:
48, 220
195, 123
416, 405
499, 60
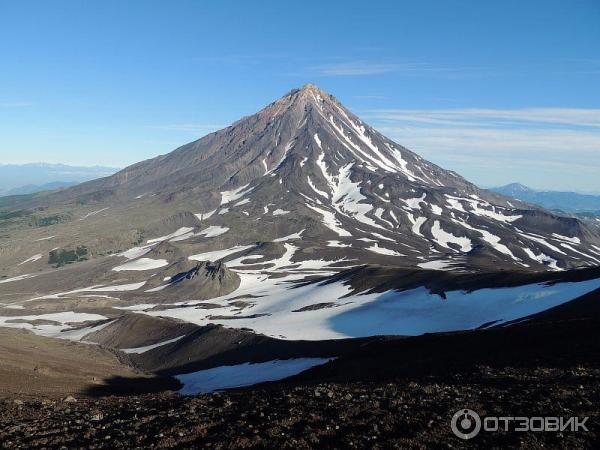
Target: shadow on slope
122, 386
564, 336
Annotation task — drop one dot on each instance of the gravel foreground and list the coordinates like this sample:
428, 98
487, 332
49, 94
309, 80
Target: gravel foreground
399, 414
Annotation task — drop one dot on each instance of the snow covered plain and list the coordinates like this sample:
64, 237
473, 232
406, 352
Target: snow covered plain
280, 306
280, 303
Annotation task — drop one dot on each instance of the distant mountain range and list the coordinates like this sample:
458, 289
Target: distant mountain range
565, 201
17, 179
33, 188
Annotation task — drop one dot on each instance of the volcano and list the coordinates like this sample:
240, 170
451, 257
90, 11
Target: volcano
298, 222
305, 166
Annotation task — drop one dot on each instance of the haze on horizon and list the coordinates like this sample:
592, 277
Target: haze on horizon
513, 96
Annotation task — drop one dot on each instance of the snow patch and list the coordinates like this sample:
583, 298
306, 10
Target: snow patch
290, 237
542, 259
317, 190
226, 377
136, 252
414, 203
438, 264
242, 202
572, 240
62, 327
219, 254
142, 264
337, 244
213, 231
490, 238
93, 213
31, 259
375, 248
318, 141
329, 220
181, 231
206, 215
234, 194
435, 209
444, 238
416, 223
17, 278
138, 350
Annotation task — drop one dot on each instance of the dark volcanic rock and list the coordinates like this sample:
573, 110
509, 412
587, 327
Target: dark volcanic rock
139, 330
406, 413
203, 280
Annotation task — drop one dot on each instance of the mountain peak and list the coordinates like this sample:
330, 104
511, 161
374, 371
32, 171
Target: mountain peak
310, 87
309, 93
516, 187
306, 169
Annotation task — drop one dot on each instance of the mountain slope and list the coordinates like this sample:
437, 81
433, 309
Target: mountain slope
307, 169
299, 222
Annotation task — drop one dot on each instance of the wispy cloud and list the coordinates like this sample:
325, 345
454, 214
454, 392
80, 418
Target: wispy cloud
539, 117
503, 143
364, 67
370, 97
353, 68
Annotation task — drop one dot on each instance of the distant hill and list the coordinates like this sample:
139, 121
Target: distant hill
18, 179
565, 201
33, 188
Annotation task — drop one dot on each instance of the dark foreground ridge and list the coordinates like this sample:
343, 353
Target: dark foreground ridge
389, 392
403, 413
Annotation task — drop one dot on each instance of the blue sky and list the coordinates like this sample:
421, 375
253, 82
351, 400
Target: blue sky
498, 91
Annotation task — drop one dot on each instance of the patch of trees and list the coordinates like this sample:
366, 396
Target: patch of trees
61, 257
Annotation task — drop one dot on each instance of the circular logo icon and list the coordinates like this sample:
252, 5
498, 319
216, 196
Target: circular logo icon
466, 423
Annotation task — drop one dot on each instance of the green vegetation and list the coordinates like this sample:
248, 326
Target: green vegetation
11, 219
12, 200
140, 238
60, 257
7, 215
94, 197
22, 218
50, 220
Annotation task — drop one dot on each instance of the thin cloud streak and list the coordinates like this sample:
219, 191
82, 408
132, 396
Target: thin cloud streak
563, 141
549, 141
488, 117
370, 97
353, 68
362, 68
